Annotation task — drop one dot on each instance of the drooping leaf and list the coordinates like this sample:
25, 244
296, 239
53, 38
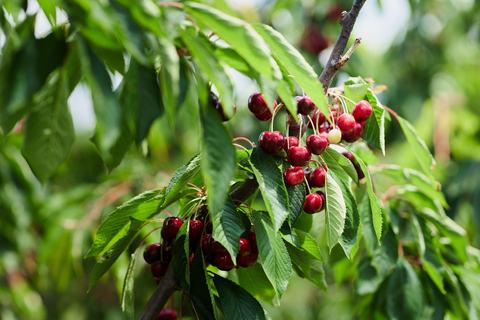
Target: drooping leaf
49, 132
236, 302
254, 280
296, 200
335, 210
369, 279
340, 165
200, 292
309, 244
48, 7
374, 131
306, 266
228, 227
270, 181
169, 77
182, 176
128, 297
355, 90
295, 64
385, 256
286, 95
180, 257
272, 253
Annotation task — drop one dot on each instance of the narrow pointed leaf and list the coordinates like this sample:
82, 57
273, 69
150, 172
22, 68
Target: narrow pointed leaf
296, 200
374, 131
200, 292
169, 77
339, 164
128, 297
335, 210
255, 281
228, 227
182, 176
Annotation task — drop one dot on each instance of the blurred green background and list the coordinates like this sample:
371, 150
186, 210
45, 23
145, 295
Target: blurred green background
425, 52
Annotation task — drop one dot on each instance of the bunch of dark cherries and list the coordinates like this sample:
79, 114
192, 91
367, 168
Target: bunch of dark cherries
346, 127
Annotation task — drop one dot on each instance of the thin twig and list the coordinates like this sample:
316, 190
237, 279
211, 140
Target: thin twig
347, 55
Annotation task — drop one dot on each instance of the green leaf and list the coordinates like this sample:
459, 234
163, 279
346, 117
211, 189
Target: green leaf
295, 64
368, 231
374, 204
169, 77
115, 225
128, 297
419, 148
228, 227
296, 200
254, 280
286, 95
273, 253
306, 266
340, 164
236, 33
48, 7
270, 181
200, 292
405, 294
355, 90
218, 159
309, 244
374, 131
369, 279
385, 256
335, 210
180, 258
49, 132
182, 176
236, 302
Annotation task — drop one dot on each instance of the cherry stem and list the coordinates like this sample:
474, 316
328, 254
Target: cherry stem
275, 111
244, 139
243, 204
170, 4
240, 146
317, 162
308, 186
313, 125
168, 213
193, 306
194, 186
392, 112
325, 164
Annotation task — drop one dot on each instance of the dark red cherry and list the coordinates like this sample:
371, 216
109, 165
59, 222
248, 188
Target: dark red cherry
215, 246
195, 231
292, 142
362, 111
349, 156
152, 253
355, 134
257, 104
248, 260
159, 268
322, 195
267, 115
245, 247
318, 116
298, 156
359, 170
334, 116
205, 244
346, 122
305, 105
170, 228
215, 102
325, 127
223, 261
316, 178
167, 314
167, 251
252, 238
293, 176
313, 203
317, 143
271, 142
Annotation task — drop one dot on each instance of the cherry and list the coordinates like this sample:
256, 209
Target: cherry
205, 244
334, 116
322, 195
298, 156
215, 102
215, 246
267, 115
167, 314
293, 176
252, 238
152, 253
349, 156
245, 247
313, 41
355, 134
159, 268
271, 142
362, 111
325, 127
167, 251
334, 136
317, 143
223, 261
313, 203
170, 228
318, 116
195, 231
257, 104
292, 142
346, 122
363, 123
316, 179
305, 105
248, 260
335, 13
359, 170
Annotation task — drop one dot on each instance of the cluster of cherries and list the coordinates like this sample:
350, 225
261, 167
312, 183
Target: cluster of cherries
159, 255
167, 314
348, 127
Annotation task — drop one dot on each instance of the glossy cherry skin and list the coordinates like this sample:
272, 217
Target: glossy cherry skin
322, 195
355, 134
267, 115
359, 170
223, 261
290, 142
318, 116
325, 127
152, 253
346, 122
313, 203
167, 314
298, 156
316, 178
334, 136
317, 143
252, 238
305, 105
245, 247
159, 268
257, 104
215, 246
349, 156
170, 228
293, 176
195, 231
205, 244
334, 116
248, 260
271, 142
362, 111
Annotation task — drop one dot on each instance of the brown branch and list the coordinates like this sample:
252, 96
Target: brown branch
347, 21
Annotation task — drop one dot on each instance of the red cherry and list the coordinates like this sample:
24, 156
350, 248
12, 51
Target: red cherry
316, 178
195, 231
248, 260
305, 105
349, 156
204, 243
167, 251
359, 170
334, 116
159, 268
215, 246
292, 142
223, 261
355, 134
298, 156
167, 314
318, 116
317, 143
215, 102
325, 127
346, 122
313, 203
362, 111
293, 176
322, 195
267, 115
257, 104
271, 142
245, 247
252, 238
363, 123
170, 228
152, 253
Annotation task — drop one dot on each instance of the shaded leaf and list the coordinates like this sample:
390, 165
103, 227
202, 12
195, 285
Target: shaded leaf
128, 297
374, 131
199, 288
335, 210
254, 280
340, 165
228, 227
